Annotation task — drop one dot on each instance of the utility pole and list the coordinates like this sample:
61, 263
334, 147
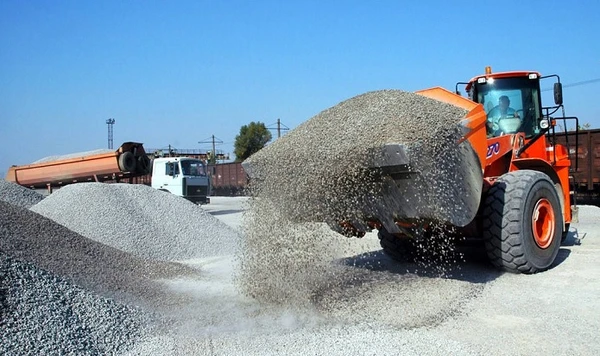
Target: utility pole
214, 140
279, 128
110, 122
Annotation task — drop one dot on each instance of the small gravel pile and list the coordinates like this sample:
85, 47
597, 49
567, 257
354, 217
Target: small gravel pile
319, 172
73, 155
18, 195
30, 237
140, 220
44, 314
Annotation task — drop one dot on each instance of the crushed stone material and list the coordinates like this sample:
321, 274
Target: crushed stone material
319, 172
44, 314
18, 195
73, 155
138, 219
30, 237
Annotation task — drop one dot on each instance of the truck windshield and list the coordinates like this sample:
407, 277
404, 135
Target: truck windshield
193, 168
511, 104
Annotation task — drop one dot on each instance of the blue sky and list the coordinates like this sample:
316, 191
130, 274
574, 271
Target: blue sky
177, 72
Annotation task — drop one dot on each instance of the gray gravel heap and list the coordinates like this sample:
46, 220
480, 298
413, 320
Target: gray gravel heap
319, 172
73, 155
44, 314
140, 220
30, 237
18, 195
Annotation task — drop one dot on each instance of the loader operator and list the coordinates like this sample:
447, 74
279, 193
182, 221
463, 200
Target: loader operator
500, 111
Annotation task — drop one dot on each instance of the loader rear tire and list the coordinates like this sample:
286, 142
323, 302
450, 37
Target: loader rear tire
127, 162
522, 222
401, 249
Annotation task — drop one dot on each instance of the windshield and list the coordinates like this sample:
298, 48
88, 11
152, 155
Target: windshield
511, 104
190, 167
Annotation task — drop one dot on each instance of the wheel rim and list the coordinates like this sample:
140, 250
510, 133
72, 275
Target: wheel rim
543, 223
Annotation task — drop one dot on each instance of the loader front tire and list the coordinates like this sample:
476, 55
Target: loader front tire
401, 249
522, 222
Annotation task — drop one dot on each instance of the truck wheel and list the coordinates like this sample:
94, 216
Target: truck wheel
522, 222
143, 164
398, 248
127, 162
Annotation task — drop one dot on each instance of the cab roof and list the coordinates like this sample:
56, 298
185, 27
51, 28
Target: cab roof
512, 74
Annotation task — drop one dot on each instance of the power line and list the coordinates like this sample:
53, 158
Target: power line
214, 140
279, 128
576, 84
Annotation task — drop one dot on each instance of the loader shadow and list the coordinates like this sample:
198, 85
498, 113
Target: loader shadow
573, 238
472, 267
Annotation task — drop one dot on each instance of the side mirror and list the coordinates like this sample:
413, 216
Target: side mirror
558, 98
170, 169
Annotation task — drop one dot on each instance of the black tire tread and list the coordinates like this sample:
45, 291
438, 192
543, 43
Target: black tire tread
502, 217
398, 248
127, 162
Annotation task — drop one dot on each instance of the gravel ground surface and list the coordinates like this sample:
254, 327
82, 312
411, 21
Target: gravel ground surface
140, 220
396, 308
18, 195
43, 314
73, 155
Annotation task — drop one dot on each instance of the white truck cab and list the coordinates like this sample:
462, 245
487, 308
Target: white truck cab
182, 176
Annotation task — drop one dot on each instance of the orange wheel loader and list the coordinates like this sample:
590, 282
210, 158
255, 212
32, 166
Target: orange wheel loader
513, 182
496, 174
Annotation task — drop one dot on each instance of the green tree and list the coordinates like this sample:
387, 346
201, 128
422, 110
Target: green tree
251, 139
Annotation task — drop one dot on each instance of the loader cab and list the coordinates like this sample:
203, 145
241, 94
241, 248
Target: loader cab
512, 102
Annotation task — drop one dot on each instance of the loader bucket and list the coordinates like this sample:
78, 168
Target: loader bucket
438, 178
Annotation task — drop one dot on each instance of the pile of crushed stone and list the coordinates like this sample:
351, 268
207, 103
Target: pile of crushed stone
319, 172
32, 238
73, 155
63, 293
18, 195
140, 220
44, 314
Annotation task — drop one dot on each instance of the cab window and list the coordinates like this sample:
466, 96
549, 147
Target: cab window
511, 105
193, 168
